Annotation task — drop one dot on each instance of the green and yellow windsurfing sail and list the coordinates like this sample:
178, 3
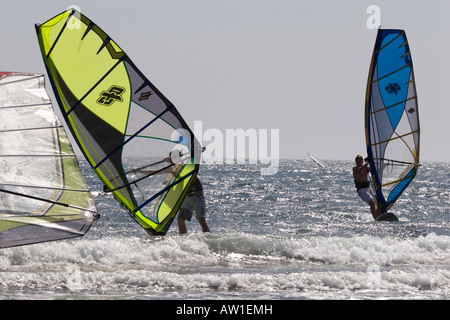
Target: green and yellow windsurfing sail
43, 196
392, 117
124, 126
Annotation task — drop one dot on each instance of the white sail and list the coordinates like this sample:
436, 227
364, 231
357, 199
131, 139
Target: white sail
43, 196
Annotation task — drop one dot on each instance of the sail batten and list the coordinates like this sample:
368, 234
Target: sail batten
393, 138
120, 120
399, 34
42, 187
395, 104
390, 74
60, 33
43, 197
391, 117
30, 129
22, 106
93, 88
7, 82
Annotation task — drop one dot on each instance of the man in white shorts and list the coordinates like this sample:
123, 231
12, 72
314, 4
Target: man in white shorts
363, 186
194, 201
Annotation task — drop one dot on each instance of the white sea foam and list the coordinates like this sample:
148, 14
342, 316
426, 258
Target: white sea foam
231, 263
302, 234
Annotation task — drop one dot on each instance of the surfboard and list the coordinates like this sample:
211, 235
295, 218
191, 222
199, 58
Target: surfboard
387, 216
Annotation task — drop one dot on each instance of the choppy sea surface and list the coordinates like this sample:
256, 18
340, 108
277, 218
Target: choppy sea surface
300, 234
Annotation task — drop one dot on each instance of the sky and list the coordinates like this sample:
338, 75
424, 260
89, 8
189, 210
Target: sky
297, 66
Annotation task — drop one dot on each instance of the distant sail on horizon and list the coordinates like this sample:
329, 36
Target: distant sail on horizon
392, 117
316, 160
122, 123
43, 196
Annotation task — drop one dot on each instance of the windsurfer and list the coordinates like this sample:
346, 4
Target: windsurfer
362, 184
194, 201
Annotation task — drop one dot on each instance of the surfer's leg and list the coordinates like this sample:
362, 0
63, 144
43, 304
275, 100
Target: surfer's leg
203, 224
200, 213
183, 215
368, 196
182, 225
374, 210
379, 209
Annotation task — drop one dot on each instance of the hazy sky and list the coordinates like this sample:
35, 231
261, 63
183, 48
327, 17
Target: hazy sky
297, 66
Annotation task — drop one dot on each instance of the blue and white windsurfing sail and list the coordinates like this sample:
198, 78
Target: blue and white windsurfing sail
391, 117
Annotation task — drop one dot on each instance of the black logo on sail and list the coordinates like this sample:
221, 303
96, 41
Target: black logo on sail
111, 95
392, 88
145, 95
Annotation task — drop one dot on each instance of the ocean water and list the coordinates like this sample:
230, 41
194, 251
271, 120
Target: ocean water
300, 234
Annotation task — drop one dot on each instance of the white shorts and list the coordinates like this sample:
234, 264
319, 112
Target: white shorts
193, 203
367, 195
